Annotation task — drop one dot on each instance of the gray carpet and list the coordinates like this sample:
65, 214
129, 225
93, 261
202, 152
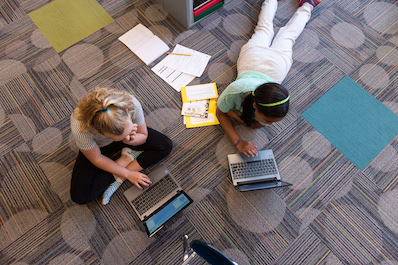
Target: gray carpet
333, 213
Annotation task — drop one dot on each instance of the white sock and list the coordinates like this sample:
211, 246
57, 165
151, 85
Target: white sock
106, 197
133, 154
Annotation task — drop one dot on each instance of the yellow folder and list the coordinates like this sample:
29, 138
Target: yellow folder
201, 92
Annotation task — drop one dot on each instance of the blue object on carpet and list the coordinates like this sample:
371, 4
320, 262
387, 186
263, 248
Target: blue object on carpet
352, 120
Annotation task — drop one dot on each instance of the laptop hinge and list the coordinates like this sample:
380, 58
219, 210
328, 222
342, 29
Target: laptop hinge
255, 181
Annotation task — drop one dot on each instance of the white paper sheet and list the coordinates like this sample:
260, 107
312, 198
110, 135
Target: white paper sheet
144, 44
199, 109
198, 92
194, 64
175, 79
210, 118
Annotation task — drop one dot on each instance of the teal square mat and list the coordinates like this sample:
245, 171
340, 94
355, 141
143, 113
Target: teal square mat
352, 120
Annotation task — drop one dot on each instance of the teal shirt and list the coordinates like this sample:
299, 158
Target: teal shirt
231, 97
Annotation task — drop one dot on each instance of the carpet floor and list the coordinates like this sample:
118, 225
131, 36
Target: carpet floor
335, 212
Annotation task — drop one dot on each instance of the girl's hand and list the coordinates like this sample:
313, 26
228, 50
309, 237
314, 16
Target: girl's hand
138, 179
247, 148
130, 138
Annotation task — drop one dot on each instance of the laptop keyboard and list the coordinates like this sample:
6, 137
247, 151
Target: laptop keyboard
254, 169
154, 194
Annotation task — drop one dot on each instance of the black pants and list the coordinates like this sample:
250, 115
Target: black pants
88, 181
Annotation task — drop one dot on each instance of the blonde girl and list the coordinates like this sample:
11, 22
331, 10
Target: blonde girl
105, 122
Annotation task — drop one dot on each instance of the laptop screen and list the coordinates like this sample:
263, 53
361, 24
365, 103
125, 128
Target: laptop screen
167, 212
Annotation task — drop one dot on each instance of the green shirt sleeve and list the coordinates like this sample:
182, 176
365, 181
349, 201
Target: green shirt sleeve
231, 97
228, 99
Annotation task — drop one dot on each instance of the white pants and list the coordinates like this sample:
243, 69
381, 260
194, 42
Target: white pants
275, 59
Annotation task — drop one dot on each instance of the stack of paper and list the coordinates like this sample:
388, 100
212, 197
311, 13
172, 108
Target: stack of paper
199, 109
147, 46
193, 64
176, 79
181, 66
191, 95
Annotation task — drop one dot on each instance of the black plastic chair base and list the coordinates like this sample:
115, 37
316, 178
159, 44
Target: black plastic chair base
206, 251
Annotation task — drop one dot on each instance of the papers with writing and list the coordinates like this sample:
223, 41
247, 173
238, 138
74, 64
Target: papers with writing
197, 109
147, 46
198, 93
211, 119
175, 79
194, 64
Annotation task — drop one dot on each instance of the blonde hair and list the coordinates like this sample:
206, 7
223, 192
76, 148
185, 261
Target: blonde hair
105, 110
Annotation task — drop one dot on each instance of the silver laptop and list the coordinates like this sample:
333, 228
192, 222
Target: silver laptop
254, 173
159, 202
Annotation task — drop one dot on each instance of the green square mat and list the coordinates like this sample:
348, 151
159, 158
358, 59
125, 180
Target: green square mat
66, 22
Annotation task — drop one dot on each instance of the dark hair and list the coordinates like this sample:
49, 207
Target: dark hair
265, 94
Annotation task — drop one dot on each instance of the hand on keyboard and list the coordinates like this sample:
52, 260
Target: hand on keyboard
138, 179
247, 148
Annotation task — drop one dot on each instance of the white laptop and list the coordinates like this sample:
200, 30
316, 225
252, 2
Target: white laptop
159, 202
254, 173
